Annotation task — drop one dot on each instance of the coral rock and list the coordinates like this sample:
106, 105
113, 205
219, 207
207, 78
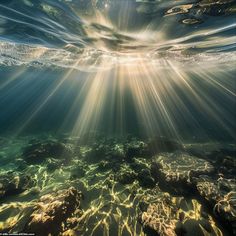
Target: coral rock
52, 211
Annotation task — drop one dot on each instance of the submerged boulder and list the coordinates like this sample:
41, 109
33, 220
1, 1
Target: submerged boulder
136, 148
77, 172
105, 165
226, 165
176, 171
162, 144
38, 152
51, 212
160, 218
141, 166
164, 215
105, 150
125, 175
221, 196
13, 183
145, 179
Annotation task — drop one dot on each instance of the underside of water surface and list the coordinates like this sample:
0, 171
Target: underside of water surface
118, 117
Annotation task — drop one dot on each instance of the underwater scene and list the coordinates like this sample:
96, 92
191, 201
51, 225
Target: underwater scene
118, 117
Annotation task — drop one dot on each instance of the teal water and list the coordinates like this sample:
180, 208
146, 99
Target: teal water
129, 102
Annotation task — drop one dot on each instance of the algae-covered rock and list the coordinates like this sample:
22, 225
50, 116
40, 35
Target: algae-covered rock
107, 165
40, 151
141, 166
53, 164
52, 211
162, 144
136, 148
77, 172
13, 183
221, 196
125, 175
160, 216
145, 179
164, 215
178, 170
104, 150
226, 165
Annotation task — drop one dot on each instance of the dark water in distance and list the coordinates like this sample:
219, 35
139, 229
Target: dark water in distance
152, 83
23, 96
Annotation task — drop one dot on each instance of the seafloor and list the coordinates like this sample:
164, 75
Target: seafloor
111, 186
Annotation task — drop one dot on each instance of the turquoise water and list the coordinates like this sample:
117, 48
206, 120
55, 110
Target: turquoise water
131, 103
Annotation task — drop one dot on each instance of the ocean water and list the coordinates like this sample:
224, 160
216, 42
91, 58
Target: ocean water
118, 117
